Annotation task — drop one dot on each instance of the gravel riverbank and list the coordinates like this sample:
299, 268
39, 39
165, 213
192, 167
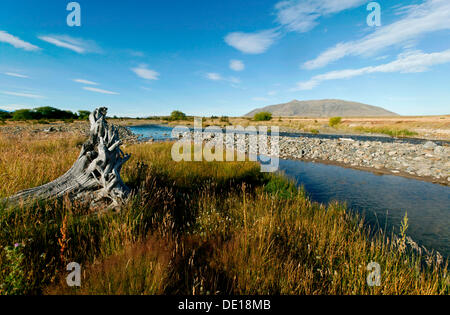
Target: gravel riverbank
78, 128
428, 161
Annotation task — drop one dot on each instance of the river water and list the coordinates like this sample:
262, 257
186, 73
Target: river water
382, 199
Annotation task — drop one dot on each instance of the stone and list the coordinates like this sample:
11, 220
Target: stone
429, 145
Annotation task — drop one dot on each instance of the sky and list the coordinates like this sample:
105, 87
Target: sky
224, 57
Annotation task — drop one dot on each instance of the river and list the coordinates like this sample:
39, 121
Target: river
382, 199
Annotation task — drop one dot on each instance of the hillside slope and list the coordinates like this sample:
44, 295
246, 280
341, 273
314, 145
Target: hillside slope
323, 108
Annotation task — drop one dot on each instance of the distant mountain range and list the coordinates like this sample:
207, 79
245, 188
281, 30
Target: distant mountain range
323, 108
5, 111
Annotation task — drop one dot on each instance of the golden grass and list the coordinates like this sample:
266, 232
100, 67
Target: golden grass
198, 228
29, 160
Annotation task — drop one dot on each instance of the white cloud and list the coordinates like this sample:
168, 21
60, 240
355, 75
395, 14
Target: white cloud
430, 16
292, 16
302, 15
77, 45
218, 77
252, 43
20, 94
14, 107
16, 42
99, 91
145, 73
82, 81
214, 76
416, 61
17, 75
237, 65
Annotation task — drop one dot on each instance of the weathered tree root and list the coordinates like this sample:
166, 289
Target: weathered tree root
96, 172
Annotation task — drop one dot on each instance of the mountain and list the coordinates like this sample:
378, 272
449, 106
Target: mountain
323, 108
5, 111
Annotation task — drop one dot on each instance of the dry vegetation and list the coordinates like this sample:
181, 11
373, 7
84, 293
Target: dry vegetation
191, 228
428, 127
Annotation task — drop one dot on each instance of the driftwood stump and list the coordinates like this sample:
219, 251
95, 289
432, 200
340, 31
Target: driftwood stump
96, 172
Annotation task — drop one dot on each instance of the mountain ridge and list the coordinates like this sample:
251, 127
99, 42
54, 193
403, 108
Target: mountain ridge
323, 108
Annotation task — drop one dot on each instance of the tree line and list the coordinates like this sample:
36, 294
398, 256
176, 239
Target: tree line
46, 112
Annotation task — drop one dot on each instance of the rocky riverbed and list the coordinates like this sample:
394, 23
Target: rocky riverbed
428, 161
78, 128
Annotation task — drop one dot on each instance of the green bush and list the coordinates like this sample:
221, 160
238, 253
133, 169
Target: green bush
13, 277
335, 121
281, 187
54, 113
83, 114
25, 114
263, 116
177, 115
47, 112
5, 115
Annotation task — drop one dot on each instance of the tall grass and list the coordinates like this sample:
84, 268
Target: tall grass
199, 228
28, 160
393, 132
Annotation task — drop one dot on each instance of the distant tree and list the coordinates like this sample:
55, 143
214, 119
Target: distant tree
26, 114
5, 115
334, 121
54, 113
224, 119
177, 115
263, 116
83, 114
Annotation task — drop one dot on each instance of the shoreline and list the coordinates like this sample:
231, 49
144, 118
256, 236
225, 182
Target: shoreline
427, 162
293, 133
379, 172
285, 150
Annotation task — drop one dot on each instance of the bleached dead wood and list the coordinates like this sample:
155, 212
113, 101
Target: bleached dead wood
96, 172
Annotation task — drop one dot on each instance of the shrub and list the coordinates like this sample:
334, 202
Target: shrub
335, 121
13, 278
224, 119
177, 115
263, 116
83, 114
47, 112
5, 115
54, 113
25, 114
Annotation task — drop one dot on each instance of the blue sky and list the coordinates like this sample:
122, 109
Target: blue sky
224, 57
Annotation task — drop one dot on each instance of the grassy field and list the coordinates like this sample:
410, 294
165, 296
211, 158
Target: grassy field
191, 228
